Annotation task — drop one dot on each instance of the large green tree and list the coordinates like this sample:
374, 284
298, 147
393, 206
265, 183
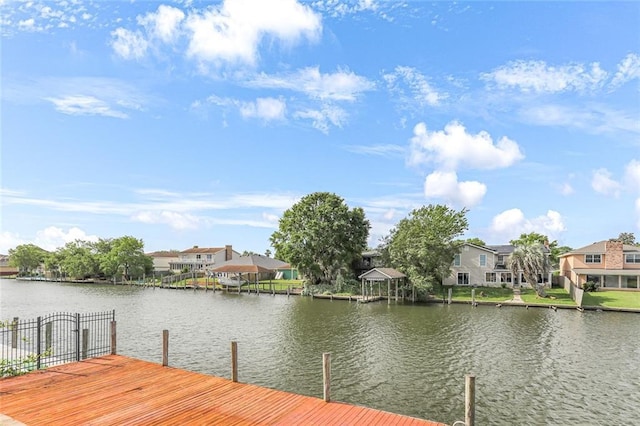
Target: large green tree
77, 259
124, 256
423, 244
27, 257
321, 236
531, 260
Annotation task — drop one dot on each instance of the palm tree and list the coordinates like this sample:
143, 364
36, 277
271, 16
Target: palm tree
531, 260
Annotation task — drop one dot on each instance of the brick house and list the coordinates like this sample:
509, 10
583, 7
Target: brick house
611, 264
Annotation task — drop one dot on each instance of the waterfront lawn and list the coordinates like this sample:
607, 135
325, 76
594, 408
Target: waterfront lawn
483, 294
612, 299
557, 296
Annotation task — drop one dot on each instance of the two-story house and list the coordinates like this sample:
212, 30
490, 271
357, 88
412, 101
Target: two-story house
202, 258
611, 264
487, 267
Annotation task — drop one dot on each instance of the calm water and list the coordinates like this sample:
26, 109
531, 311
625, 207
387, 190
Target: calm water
533, 367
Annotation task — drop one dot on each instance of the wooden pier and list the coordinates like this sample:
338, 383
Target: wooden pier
117, 390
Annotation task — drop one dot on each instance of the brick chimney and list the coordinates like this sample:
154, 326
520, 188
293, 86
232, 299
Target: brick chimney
613, 257
228, 253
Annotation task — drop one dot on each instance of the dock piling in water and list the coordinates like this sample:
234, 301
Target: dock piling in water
326, 376
469, 400
165, 348
234, 361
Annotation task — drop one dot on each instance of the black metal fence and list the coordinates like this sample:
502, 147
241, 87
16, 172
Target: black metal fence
57, 338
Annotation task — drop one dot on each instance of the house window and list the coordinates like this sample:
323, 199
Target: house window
456, 260
208, 257
198, 257
483, 260
490, 277
591, 258
632, 258
505, 277
463, 278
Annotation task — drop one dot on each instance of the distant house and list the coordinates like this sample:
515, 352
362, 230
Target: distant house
262, 267
370, 259
611, 264
202, 258
162, 259
487, 267
5, 268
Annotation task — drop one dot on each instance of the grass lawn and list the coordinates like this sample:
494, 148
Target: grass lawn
483, 294
612, 299
557, 296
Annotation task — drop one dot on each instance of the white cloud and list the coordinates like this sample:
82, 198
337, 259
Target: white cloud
454, 147
342, 85
566, 189
129, 44
9, 240
267, 109
538, 77
164, 24
321, 119
182, 203
271, 218
420, 91
602, 183
632, 175
232, 32
511, 223
53, 237
628, 69
387, 151
638, 211
445, 185
85, 105
28, 25
590, 117
175, 220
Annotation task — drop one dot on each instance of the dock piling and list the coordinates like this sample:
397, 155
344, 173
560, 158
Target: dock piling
469, 400
113, 337
165, 348
234, 361
326, 375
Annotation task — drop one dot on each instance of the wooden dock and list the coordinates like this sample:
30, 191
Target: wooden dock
117, 390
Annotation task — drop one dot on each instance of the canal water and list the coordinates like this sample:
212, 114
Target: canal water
532, 366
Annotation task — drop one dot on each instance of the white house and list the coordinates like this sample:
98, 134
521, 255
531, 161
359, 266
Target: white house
486, 267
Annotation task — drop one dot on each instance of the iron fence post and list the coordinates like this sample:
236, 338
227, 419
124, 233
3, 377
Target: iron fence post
39, 342
77, 330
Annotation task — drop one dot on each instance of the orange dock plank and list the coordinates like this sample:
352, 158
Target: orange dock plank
117, 390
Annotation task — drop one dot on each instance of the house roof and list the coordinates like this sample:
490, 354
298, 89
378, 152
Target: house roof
200, 250
379, 274
164, 253
241, 268
600, 248
487, 248
502, 248
267, 263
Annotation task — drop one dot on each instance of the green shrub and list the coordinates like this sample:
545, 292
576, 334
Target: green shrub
590, 286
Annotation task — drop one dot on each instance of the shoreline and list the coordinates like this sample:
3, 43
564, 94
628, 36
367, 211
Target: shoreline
352, 298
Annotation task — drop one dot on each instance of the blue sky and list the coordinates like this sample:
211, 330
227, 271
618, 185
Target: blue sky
199, 123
